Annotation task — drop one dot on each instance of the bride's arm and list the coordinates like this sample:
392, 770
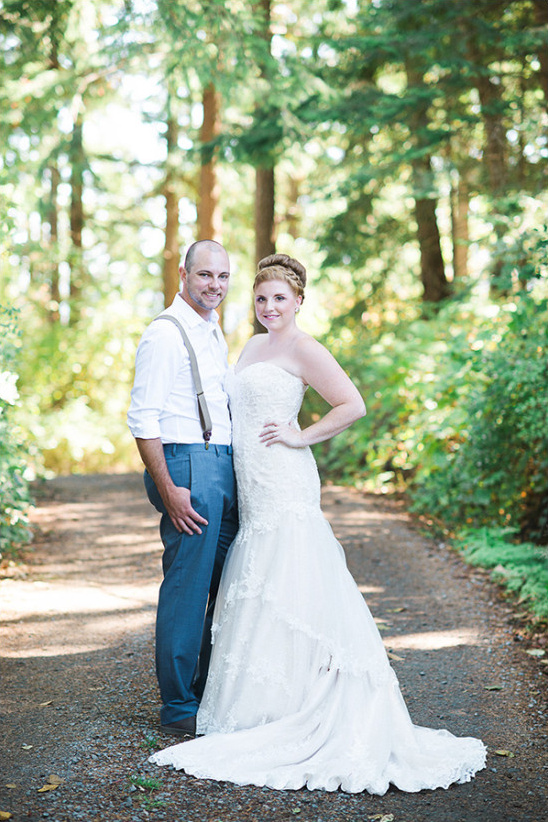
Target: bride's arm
321, 371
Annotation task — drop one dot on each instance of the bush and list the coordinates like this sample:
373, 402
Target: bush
75, 390
457, 413
522, 568
496, 472
14, 490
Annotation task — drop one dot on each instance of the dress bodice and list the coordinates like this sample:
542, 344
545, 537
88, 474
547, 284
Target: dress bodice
271, 479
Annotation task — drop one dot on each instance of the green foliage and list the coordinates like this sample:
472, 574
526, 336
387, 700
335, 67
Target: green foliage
412, 373
14, 490
496, 469
75, 389
521, 567
434, 82
147, 786
457, 411
148, 783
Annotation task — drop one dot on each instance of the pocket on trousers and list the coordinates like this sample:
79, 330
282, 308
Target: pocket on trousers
202, 479
152, 493
179, 468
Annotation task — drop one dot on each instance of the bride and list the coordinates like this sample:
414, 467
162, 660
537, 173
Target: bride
300, 690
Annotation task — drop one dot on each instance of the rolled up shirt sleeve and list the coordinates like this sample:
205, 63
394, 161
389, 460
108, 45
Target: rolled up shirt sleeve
158, 361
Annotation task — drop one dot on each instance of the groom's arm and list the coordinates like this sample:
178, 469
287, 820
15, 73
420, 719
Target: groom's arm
175, 498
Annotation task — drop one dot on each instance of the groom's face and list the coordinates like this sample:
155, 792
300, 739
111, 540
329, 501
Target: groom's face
205, 285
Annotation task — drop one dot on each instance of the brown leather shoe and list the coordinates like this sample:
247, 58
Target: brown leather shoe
182, 727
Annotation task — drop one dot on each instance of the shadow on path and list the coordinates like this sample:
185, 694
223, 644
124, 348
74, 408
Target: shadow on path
79, 696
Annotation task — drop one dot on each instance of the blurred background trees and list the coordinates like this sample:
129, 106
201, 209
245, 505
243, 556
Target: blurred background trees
398, 149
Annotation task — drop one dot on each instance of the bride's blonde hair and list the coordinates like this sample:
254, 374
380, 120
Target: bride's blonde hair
282, 267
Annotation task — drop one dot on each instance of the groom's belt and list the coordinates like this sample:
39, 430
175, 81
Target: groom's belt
173, 448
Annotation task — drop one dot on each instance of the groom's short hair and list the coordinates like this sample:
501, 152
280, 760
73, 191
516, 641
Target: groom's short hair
211, 245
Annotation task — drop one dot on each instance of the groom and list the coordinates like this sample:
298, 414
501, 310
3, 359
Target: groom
190, 482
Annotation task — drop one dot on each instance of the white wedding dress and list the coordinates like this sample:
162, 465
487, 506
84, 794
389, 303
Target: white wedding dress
300, 690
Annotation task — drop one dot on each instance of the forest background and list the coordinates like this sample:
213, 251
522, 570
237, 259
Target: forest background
397, 148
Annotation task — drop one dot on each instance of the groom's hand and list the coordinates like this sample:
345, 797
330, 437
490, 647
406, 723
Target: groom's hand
182, 514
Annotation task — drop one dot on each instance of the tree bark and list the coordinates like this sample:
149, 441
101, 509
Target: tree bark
77, 161
210, 222
209, 207
460, 206
265, 243
264, 213
491, 112
171, 244
52, 216
292, 212
264, 182
434, 281
541, 21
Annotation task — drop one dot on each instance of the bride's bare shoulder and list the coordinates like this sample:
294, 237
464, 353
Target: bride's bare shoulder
255, 343
307, 347
251, 348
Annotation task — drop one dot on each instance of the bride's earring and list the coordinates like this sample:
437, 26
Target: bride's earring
297, 309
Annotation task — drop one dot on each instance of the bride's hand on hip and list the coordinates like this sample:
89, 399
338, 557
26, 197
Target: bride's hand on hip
285, 433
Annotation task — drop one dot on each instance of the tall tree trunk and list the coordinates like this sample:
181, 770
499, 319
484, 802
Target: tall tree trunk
210, 221
541, 21
292, 213
495, 134
480, 56
52, 216
434, 281
265, 243
209, 208
77, 161
494, 151
264, 213
460, 206
171, 244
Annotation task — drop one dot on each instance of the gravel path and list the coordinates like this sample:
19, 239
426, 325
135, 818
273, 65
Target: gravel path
79, 699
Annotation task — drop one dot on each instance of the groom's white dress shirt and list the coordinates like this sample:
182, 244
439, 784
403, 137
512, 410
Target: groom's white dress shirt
163, 399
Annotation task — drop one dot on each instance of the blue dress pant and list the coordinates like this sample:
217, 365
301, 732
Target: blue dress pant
192, 566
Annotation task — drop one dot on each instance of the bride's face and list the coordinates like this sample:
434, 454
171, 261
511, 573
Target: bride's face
276, 304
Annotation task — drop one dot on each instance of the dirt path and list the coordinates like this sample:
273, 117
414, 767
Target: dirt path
79, 695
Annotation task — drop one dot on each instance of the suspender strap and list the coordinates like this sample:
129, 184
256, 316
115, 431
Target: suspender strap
205, 419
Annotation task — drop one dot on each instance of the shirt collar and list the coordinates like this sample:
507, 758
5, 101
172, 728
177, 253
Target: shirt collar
185, 311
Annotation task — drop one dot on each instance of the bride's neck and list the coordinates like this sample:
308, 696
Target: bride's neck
282, 338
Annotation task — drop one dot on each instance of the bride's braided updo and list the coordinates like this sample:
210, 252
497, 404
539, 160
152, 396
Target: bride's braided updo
282, 267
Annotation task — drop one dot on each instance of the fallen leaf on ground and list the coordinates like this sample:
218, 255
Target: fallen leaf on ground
26, 747
397, 610
502, 752
536, 652
392, 655
53, 782
493, 687
43, 704
11, 785
381, 817
5, 815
